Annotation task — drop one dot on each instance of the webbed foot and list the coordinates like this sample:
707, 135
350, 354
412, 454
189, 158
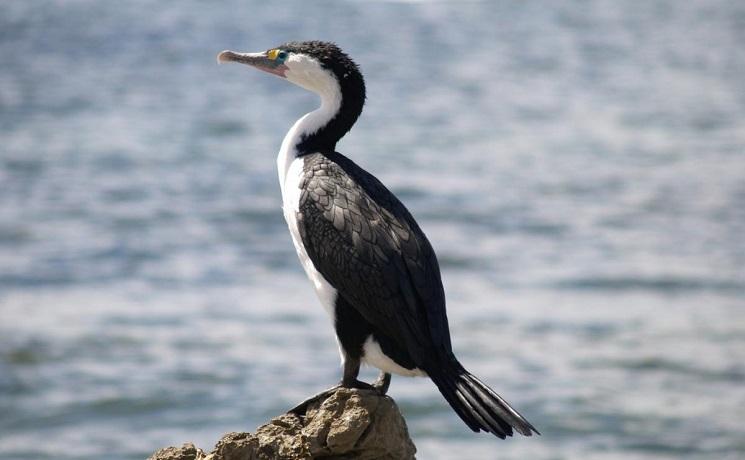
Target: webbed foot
301, 408
382, 383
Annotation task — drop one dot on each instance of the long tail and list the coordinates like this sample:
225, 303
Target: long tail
477, 404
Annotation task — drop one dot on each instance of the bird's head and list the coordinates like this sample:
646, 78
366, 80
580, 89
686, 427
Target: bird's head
317, 66
320, 67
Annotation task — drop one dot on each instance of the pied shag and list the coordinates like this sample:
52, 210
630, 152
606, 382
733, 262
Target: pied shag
371, 265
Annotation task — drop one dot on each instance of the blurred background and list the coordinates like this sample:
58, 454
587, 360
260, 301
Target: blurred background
578, 166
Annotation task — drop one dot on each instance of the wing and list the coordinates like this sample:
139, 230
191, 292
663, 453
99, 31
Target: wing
363, 240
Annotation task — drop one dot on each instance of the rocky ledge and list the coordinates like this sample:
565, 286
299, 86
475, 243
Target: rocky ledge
349, 424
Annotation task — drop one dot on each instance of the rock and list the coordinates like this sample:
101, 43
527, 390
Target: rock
186, 452
349, 424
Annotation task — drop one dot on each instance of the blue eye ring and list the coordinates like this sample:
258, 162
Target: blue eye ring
282, 55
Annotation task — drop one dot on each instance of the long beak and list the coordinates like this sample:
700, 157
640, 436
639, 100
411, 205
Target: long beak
259, 60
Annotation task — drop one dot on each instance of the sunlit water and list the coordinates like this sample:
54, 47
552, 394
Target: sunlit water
579, 167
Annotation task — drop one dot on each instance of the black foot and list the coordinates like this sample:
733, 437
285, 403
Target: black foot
357, 384
382, 383
301, 408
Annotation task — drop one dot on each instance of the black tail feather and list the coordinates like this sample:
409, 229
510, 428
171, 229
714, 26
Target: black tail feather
477, 404
461, 406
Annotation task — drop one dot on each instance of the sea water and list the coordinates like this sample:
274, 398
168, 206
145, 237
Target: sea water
579, 168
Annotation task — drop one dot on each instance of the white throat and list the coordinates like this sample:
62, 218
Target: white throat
306, 125
323, 83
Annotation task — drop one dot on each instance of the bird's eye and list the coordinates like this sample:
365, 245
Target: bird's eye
276, 55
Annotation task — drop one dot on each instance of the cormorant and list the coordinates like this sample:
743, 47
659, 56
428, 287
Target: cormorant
371, 265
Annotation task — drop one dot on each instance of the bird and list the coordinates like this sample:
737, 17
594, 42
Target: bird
372, 267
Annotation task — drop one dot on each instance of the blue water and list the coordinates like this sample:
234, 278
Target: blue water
578, 166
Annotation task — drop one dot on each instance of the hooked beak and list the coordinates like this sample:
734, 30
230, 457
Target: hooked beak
259, 60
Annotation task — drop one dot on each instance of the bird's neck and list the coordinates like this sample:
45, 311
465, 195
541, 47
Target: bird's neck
319, 130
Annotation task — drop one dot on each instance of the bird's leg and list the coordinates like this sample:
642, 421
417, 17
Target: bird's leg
382, 383
351, 371
349, 380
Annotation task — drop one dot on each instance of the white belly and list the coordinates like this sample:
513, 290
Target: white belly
374, 356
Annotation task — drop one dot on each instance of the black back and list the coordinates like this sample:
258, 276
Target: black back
363, 240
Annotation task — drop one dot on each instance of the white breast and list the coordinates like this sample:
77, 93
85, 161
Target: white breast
291, 201
373, 354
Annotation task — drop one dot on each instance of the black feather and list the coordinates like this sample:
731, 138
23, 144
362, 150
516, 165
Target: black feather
384, 269
473, 400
